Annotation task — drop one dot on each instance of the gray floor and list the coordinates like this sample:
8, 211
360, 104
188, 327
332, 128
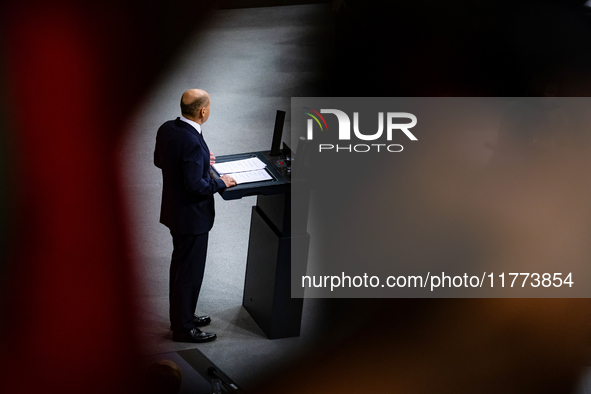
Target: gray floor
251, 61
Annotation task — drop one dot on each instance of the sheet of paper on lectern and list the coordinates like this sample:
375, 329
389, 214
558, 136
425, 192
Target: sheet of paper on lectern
250, 176
230, 167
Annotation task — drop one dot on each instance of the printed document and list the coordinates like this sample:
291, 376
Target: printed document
250, 176
245, 170
229, 167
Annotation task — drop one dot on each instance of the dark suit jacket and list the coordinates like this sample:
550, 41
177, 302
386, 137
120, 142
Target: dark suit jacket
187, 192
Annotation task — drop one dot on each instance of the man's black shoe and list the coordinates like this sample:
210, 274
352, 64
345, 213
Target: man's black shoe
195, 336
201, 321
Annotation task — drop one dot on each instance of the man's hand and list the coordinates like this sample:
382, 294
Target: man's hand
228, 180
211, 158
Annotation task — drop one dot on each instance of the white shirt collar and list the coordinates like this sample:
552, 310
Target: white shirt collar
197, 126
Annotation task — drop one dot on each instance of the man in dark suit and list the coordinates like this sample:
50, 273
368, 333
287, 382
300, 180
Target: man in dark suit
187, 209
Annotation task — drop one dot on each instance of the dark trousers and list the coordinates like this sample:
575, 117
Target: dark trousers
186, 274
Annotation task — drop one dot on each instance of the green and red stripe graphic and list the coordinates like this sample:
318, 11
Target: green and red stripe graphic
316, 119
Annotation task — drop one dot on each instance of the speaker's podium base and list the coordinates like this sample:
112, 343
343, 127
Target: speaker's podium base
267, 286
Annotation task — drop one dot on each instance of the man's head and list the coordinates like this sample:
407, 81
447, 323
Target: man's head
195, 105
